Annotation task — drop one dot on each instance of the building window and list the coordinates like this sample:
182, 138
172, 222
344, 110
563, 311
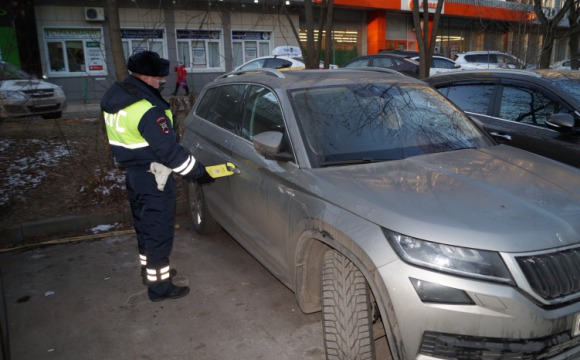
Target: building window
248, 45
74, 52
135, 40
200, 50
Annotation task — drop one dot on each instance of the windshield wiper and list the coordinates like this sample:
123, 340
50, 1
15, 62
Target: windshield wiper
351, 162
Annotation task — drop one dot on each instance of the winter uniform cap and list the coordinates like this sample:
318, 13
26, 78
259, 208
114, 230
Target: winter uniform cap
148, 63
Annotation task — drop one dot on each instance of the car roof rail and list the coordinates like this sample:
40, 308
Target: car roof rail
267, 71
371, 68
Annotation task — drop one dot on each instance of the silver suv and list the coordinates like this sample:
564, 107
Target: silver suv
489, 60
382, 205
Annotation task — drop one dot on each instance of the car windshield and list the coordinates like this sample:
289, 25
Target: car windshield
379, 122
11, 72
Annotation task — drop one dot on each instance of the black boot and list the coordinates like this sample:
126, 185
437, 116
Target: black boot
175, 293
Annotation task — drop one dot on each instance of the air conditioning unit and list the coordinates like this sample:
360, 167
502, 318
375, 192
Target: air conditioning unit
94, 14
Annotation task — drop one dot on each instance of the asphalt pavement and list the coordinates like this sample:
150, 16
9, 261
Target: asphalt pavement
83, 299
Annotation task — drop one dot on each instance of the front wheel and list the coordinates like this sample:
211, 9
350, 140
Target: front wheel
203, 222
346, 310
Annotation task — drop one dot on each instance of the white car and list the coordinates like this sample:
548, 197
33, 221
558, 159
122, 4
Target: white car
562, 65
21, 94
282, 58
490, 60
441, 64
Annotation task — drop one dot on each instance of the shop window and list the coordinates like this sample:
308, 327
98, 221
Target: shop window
74, 52
248, 45
135, 40
200, 50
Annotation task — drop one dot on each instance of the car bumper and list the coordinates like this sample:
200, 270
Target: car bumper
501, 322
32, 107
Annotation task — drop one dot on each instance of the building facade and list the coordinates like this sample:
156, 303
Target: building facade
69, 44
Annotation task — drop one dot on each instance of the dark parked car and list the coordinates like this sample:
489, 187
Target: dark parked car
400, 63
379, 203
537, 110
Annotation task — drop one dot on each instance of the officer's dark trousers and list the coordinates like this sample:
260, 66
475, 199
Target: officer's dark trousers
154, 220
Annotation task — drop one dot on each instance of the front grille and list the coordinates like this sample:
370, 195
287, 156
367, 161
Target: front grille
459, 347
39, 93
553, 275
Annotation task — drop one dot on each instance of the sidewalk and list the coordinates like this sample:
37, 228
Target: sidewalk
81, 109
85, 300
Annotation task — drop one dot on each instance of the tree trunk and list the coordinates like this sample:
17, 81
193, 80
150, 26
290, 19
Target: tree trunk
549, 26
309, 57
328, 31
112, 18
425, 37
574, 35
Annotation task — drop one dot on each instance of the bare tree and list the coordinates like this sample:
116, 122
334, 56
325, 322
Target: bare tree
112, 16
425, 37
574, 39
324, 20
549, 29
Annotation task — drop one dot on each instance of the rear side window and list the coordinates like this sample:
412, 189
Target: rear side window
470, 97
442, 64
360, 62
261, 113
384, 62
220, 106
277, 63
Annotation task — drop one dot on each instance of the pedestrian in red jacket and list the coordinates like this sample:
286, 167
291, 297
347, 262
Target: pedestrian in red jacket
181, 78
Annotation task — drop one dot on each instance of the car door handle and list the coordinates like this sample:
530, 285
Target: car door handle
503, 136
198, 146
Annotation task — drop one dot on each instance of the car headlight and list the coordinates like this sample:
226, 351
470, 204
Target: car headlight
58, 91
12, 95
480, 264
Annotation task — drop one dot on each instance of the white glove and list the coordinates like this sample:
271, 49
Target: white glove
161, 173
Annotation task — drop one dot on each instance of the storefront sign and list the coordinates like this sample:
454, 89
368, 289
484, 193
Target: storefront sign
250, 35
431, 4
198, 34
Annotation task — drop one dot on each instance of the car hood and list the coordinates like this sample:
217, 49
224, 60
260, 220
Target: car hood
499, 198
23, 84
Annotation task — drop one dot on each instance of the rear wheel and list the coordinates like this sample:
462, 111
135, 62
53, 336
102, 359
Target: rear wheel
346, 310
202, 220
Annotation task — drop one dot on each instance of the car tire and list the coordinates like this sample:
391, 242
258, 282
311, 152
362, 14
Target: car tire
53, 115
203, 222
346, 310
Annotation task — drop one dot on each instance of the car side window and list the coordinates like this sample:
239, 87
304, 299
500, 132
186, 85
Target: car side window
261, 113
277, 63
360, 62
220, 106
384, 62
470, 97
257, 64
527, 106
441, 64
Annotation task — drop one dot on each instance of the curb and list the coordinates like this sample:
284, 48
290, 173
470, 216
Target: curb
33, 231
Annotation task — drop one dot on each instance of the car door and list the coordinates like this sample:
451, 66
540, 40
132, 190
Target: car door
260, 191
519, 119
216, 123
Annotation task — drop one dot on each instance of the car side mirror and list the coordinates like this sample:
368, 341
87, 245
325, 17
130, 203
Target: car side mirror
561, 122
270, 144
457, 66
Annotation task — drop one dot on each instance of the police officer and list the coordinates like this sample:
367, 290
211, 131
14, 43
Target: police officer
139, 126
